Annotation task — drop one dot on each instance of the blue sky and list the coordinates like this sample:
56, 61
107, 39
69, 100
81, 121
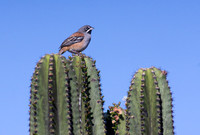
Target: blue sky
128, 35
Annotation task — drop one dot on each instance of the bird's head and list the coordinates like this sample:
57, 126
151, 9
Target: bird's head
86, 28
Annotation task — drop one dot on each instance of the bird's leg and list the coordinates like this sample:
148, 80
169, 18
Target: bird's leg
80, 54
77, 53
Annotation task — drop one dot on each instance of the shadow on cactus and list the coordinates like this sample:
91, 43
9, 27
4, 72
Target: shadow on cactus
66, 99
116, 120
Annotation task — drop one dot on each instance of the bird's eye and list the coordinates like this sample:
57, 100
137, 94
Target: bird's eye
86, 28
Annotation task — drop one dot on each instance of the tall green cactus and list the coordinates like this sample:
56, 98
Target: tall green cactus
149, 104
66, 97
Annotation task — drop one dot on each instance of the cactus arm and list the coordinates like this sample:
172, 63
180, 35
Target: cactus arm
96, 102
150, 94
166, 95
133, 104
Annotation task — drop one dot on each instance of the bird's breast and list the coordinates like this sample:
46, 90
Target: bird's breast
86, 41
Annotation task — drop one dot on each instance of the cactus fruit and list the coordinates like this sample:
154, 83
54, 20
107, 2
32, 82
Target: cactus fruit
149, 104
66, 97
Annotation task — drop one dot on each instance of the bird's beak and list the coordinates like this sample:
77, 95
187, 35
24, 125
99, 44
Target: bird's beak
90, 29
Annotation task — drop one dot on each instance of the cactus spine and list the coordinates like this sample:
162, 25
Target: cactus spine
149, 104
62, 97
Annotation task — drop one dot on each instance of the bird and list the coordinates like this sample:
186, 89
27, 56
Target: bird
78, 41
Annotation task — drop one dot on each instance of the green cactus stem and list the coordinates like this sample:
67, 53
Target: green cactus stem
62, 97
149, 104
66, 99
91, 103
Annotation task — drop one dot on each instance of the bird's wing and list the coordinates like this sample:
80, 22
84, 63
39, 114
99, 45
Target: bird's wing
74, 38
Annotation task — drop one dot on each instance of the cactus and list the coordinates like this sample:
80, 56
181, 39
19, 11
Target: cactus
118, 119
148, 107
66, 97
149, 104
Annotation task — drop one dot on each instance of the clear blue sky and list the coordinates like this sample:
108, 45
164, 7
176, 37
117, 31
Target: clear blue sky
128, 35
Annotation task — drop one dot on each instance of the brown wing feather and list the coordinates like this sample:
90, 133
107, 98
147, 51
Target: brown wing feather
74, 38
